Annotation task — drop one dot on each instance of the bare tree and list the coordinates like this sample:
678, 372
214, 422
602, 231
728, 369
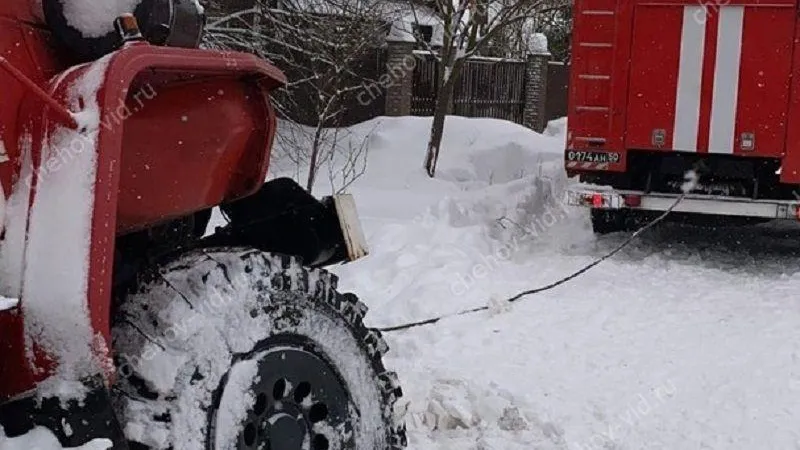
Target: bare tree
469, 26
342, 151
322, 46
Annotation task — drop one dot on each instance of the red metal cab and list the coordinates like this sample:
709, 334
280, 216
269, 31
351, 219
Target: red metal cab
180, 130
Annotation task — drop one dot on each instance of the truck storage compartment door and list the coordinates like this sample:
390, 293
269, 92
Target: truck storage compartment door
711, 77
592, 74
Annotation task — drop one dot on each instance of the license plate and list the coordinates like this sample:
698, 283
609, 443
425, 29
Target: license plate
596, 157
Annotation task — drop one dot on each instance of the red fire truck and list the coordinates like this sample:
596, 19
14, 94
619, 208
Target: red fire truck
663, 87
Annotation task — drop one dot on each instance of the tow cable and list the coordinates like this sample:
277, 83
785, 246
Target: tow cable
524, 294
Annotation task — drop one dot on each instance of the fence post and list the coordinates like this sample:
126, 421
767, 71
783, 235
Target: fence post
399, 77
534, 114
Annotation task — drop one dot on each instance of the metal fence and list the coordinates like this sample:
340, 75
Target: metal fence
487, 88
423, 93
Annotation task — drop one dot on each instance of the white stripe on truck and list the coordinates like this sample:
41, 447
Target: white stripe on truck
690, 77
726, 80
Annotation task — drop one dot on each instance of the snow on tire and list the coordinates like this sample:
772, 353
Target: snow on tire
237, 349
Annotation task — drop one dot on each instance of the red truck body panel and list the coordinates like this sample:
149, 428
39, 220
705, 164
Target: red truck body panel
201, 135
714, 78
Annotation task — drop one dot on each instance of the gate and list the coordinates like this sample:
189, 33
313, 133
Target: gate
488, 87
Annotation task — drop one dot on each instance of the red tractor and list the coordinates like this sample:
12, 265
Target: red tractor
118, 136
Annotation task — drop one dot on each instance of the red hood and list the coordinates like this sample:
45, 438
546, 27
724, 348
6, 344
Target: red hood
23, 10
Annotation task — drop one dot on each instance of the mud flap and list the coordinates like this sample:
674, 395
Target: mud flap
283, 218
350, 225
73, 423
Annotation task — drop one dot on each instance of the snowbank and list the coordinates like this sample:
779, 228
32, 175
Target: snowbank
478, 152
436, 247
556, 128
494, 179
42, 439
685, 339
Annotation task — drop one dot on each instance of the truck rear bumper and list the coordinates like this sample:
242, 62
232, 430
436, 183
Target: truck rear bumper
692, 204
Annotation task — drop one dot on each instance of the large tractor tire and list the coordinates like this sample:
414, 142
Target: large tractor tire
238, 349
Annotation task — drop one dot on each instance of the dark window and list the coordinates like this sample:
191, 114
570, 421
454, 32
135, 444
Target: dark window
423, 31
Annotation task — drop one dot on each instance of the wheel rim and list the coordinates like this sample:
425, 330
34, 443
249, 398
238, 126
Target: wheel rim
300, 402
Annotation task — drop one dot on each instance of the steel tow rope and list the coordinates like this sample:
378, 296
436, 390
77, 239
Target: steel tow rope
547, 287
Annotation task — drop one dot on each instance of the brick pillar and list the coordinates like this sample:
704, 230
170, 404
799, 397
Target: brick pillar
399, 77
534, 115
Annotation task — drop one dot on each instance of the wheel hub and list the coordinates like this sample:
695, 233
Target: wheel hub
285, 430
300, 403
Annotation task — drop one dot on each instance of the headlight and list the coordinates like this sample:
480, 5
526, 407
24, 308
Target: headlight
89, 32
172, 23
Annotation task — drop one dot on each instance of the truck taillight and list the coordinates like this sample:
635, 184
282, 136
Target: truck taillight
598, 200
632, 201
595, 200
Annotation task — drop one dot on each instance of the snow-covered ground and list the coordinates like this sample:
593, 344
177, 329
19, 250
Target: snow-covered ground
43, 439
687, 339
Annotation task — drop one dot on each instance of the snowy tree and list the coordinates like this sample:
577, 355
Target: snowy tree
322, 46
469, 26
551, 18
554, 20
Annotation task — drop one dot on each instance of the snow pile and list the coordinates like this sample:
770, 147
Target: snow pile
489, 418
537, 44
434, 241
95, 18
556, 128
437, 246
687, 338
496, 189
42, 439
7, 303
